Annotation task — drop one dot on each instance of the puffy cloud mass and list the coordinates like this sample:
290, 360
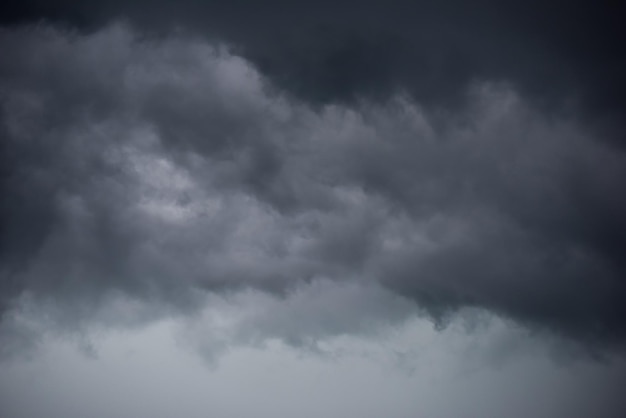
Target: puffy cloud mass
342, 50
159, 170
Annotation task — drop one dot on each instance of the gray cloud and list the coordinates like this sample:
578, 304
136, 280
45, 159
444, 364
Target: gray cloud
150, 373
328, 51
159, 169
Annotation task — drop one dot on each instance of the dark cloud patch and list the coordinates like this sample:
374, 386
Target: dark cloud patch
342, 50
163, 169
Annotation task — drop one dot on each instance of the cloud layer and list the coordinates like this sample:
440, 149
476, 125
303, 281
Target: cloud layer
344, 49
162, 169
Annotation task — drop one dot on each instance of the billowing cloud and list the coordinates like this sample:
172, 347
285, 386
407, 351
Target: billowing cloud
160, 170
342, 50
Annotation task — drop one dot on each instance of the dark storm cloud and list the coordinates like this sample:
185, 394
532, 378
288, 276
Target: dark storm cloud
342, 50
161, 169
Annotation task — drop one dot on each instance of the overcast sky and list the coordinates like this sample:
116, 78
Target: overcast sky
278, 209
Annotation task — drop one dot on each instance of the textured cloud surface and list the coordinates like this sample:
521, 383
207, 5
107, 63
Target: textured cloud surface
344, 49
162, 170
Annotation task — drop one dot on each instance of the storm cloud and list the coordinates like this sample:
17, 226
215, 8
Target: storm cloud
162, 169
555, 53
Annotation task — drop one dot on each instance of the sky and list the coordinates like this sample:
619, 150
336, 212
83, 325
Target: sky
278, 209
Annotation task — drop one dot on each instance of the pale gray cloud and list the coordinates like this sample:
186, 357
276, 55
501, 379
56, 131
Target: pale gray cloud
149, 373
